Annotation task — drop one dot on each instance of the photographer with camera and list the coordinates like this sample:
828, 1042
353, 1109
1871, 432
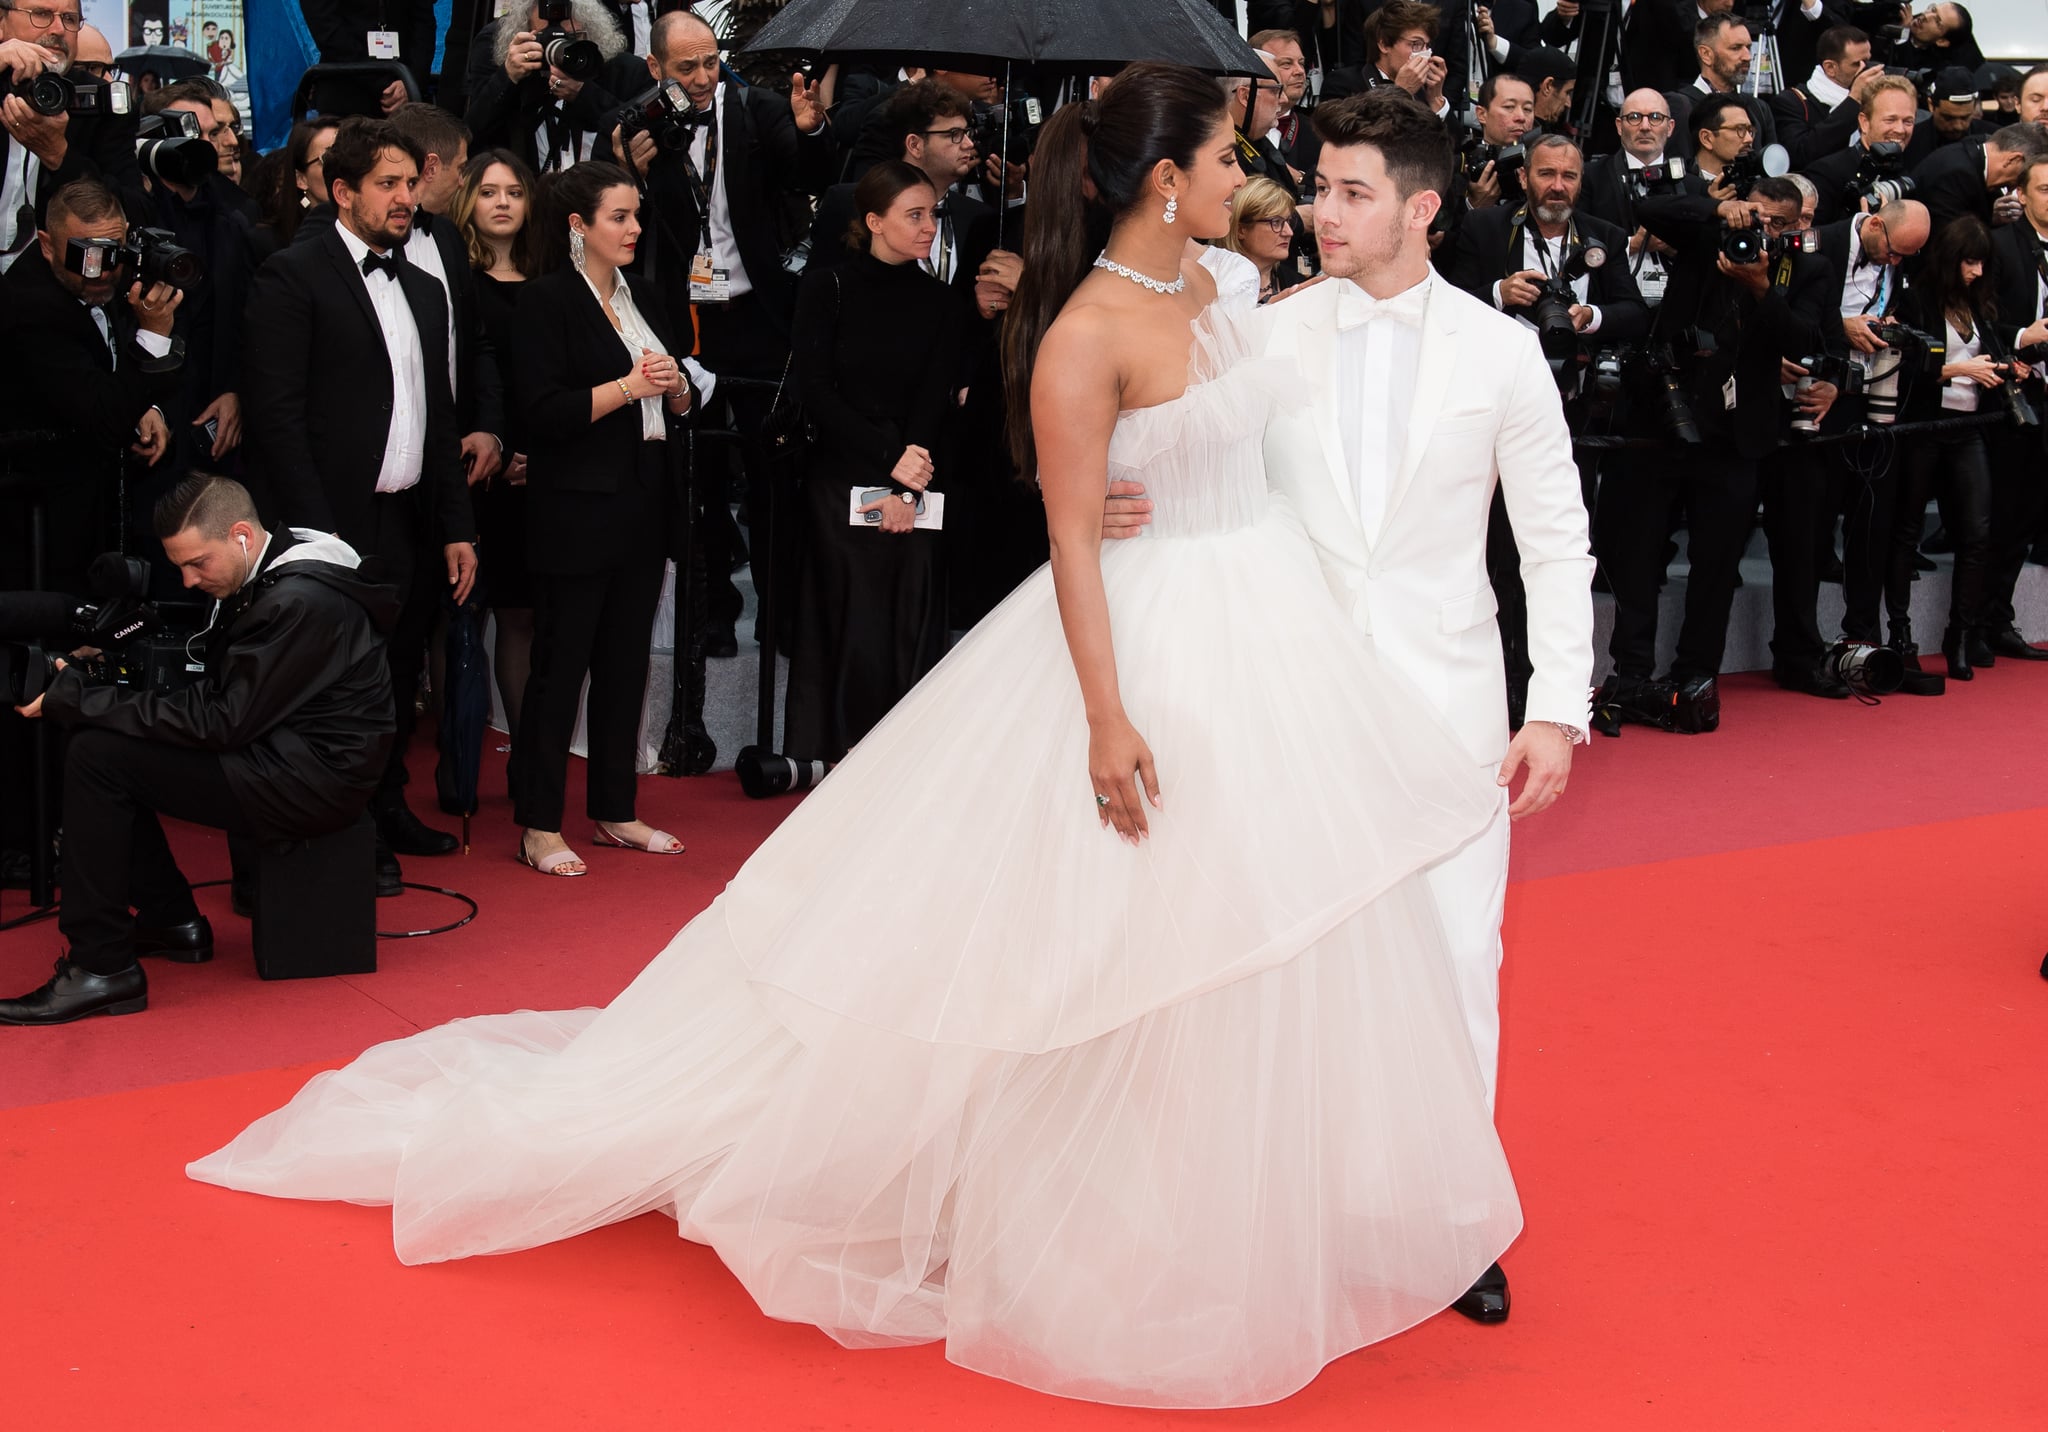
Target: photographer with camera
1973, 175
1873, 170
1614, 182
1743, 299
1493, 156
1940, 34
53, 129
1955, 112
544, 80
2020, 270
1817, 118
282, 739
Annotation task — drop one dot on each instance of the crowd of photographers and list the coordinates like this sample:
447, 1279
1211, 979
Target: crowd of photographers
1787, 261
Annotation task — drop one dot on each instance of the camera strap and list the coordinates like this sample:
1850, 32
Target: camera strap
702, 183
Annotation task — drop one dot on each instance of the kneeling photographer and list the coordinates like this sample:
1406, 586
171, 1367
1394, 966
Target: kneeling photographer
1743, 298
283, 738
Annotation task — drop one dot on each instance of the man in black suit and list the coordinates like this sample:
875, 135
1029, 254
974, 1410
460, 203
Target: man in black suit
1401, 40
1722, 47
352, 426
1506, 30
354, 30
2020, 267
1505, 110
1644, 130
1965, 178
1657, 47
1885, 116
1817, 117
1291, 135
550, 119
1941, 34
41, 153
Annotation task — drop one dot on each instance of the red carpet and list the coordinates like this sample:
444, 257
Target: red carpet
1776, 1104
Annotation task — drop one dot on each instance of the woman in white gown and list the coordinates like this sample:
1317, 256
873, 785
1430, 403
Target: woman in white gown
1170, 1120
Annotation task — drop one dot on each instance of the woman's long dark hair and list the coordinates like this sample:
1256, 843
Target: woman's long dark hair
1941, 269
286, 206
1090, 167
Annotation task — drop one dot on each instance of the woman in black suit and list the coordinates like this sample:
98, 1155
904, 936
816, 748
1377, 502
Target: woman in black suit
876, 355
598, 392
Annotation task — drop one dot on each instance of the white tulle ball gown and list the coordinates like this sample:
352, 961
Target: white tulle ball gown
1171, 1125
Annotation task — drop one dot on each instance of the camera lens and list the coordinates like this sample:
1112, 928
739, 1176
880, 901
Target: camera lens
48, 93
578, 59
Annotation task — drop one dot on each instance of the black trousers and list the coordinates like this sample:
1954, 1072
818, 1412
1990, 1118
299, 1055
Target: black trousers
1504, 571
1718, 489
1954, 466
597, 624
115, 854
1799, 522
2018, 497
743, 339
400, 535
1869, 471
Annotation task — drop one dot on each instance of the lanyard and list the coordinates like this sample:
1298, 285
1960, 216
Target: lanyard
701, 185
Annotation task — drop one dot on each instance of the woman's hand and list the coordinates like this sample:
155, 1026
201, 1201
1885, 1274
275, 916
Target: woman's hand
663, 372
1116, 754
1979, 370
913, 469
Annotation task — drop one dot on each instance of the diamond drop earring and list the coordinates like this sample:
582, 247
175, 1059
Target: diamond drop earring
1172, 203
576, 250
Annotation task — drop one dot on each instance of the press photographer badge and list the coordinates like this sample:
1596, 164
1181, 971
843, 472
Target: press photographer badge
383, 44
708, 284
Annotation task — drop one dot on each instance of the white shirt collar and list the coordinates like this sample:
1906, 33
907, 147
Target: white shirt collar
355, 246
1635, 163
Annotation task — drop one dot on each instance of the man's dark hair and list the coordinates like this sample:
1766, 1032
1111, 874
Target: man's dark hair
1412, 143
2035, 73
359, 142
1707, 33
83, 201
1541, 62
1965, 26
1397, 17
432, 128
914, 108
2028, 139
183, 92
1493, 83
1552, 141
1777, 189
1712, 113
1834, 42
205, 501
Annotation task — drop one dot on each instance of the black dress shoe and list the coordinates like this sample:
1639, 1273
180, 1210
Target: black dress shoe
187, 943
1978, 648
721, 644
1923, 563
1486, 1301
75, 992
1955, 650
390, 879
1811, 680
2009, 641
404, 832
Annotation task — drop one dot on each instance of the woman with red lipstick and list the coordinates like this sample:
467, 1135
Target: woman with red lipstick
599, 390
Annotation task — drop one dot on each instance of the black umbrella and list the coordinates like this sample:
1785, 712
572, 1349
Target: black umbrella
1078, 37
465, 711
172, 62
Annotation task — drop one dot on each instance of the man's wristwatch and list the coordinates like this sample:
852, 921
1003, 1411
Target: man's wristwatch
1572, 734
909, 499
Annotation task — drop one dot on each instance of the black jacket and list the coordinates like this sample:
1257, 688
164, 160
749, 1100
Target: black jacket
210, 317
341, 30
1808, 129
1682, 101
1950, 182
1487, 247
296, 699
318, 390
97, 146
63, 375
502, 115
2018, 260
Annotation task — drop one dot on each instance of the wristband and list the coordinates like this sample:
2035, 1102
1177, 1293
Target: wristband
624, 388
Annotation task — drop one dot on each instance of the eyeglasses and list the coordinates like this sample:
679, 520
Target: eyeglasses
1736, 129
1273, 226
1644, 116
948, 136
41, 17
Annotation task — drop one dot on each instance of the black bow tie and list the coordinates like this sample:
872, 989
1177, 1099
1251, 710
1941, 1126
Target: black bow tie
701, 118
390, 263
422, 222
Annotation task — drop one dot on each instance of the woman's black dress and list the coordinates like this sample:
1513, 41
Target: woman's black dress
501, 507
875, 355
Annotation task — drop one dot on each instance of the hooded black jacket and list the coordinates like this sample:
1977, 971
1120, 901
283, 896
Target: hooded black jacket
296, 698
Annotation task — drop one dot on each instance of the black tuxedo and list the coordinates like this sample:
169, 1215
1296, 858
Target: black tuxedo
1951, 183
210, 317
1808, 129
1799, 39
1488, 246
318, 381
1831, 177
65, 375
1656, 45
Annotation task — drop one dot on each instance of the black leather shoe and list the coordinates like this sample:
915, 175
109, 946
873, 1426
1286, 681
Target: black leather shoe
75, 992
2044, 967
1811, 680
242, 899
1923, 563
1978, 649
189, 943
404, 832
1955, 650
1486, 1301
390, 879
721, 644
2009, 641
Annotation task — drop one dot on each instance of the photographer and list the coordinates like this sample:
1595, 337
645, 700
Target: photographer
281, 740
1721, 43
1613, 182
1724, 136
1727, 324
2020, 266
41, 153
1969, 177
1954, 113
1818, 118
1884, 134
1506, 109
541, 111
1941, 34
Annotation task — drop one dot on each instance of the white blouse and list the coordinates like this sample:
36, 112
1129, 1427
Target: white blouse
1959, 395
635, 334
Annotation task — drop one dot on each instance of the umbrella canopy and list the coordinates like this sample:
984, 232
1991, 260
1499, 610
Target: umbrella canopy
172, 62
1080, 37
465, 710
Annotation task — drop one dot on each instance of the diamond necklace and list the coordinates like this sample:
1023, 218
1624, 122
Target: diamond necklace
1104, 261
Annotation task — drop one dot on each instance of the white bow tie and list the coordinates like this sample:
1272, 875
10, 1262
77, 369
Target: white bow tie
1355, 306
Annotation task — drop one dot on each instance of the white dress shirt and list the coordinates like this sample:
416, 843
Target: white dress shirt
1867, 287
425, 255
725, 248
17, 182
405, 444
636, 335
156, 345
1378, 359
549, 161
1960, 395
1547, 256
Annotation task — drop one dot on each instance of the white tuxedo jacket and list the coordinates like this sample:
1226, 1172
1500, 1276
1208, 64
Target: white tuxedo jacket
1486, 410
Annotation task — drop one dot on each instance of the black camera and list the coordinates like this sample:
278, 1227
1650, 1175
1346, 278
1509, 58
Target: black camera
42, 627
1555, 299
1666, 176
2016, 402
573, 55
1834, 368
1024, 115
151, 255
54, 93
168, 148
1508, 161
1689, 708
1772, 161
663, 113
1920, 354
1880, 177
1865, 669
1659, 374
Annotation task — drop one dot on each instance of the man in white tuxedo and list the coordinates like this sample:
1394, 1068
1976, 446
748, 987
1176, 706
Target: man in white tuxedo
1422, 399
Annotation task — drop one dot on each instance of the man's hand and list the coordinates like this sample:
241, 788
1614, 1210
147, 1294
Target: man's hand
1865, 78
1010, 176
461, 569
2033, 333
1736, 214
806, 104
1127, 512
562, 87
1433, 81
1547, 753
1756, 277
995, 282
1482, 21
2006, 208
226, 412
24, 61
1413, 76
1485, 189
481, 454
1568, 9
391, 96
1721, 191
640, 154
1582, 317
153, 436
1814, 400
1861, 331
44, 135
1519, 290
524, 58
155, 309
515, 470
